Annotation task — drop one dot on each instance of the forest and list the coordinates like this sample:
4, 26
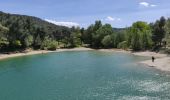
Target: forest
20, 32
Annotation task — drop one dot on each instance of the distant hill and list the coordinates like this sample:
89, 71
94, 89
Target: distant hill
28, 31
8, 20
22, 31
119, 30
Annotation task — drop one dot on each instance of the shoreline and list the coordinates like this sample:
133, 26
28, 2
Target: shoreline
35, 52
6, 56
162, 61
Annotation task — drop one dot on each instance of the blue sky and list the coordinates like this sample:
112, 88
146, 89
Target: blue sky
119, 13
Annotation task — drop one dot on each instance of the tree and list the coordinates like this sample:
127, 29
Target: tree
17, 43
123, 45
75, 38
88, 36
28, 41
139, 36
146, 40
100, 34
49, 44
167, 36
29, 31
3, 36
37, 42
119, 38
136, 40
107, 41
159, 31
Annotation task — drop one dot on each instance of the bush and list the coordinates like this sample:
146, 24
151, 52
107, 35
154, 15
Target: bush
107, 41
123, 45
52, 45
17, 43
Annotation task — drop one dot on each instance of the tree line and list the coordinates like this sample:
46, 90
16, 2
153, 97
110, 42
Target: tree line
140, 36
22, 32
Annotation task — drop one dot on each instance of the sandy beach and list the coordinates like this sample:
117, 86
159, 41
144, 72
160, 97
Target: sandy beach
114, 50
149, 54
5, 56
74, 49
162, 61
33, 52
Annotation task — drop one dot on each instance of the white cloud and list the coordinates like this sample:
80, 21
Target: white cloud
109, 18
67, 24
153, 5
146, 4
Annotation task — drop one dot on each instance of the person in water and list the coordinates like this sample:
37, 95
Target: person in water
153, 58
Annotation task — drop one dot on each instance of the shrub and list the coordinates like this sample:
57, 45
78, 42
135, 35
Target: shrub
17, 43
123, 45
52, 45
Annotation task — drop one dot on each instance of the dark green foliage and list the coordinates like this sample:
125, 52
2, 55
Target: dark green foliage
16, 44
21, 32
89, 35
107, 41
75, 37
3, 36
167, 36
159, 31
139, 36
100, 34
123, 45
119, 37
27, 31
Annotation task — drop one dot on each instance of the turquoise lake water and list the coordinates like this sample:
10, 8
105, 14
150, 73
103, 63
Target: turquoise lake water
87, 75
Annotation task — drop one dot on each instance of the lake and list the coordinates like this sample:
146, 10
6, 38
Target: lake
84, 75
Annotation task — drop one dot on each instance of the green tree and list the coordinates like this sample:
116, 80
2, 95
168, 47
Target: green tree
139, 36
49, 44
3, 36
146, 39
88, 36
159, 31
167, 37
37, 42
107, 41
17, 43
123, 45
119, 38
28, 41
75, 38
100, 34
136, 40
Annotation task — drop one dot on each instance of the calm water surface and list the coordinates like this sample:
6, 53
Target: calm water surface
89, 75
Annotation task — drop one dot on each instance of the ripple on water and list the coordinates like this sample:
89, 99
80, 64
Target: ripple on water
152, 86
138, 98
81, 76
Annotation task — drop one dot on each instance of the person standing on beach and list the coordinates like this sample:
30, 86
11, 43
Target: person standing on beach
153, 58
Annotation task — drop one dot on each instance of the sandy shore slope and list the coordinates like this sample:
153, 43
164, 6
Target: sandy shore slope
114, 50
150, 54
5, 56
162, 61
